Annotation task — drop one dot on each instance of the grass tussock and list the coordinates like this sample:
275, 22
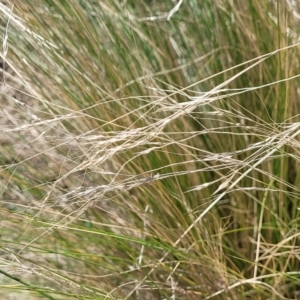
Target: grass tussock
149, 150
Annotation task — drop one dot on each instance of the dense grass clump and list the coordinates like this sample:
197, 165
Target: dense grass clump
149, 149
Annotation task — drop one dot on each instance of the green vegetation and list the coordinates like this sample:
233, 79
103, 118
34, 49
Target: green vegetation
149, 150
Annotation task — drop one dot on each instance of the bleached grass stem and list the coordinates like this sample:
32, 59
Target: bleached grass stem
259, 228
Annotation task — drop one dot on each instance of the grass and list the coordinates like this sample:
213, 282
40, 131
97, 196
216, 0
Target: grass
149, 151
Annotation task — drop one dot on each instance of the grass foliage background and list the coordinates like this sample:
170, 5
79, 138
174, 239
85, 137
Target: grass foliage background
149, 150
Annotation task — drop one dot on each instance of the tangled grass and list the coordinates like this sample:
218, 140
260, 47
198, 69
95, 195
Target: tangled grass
148, 150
